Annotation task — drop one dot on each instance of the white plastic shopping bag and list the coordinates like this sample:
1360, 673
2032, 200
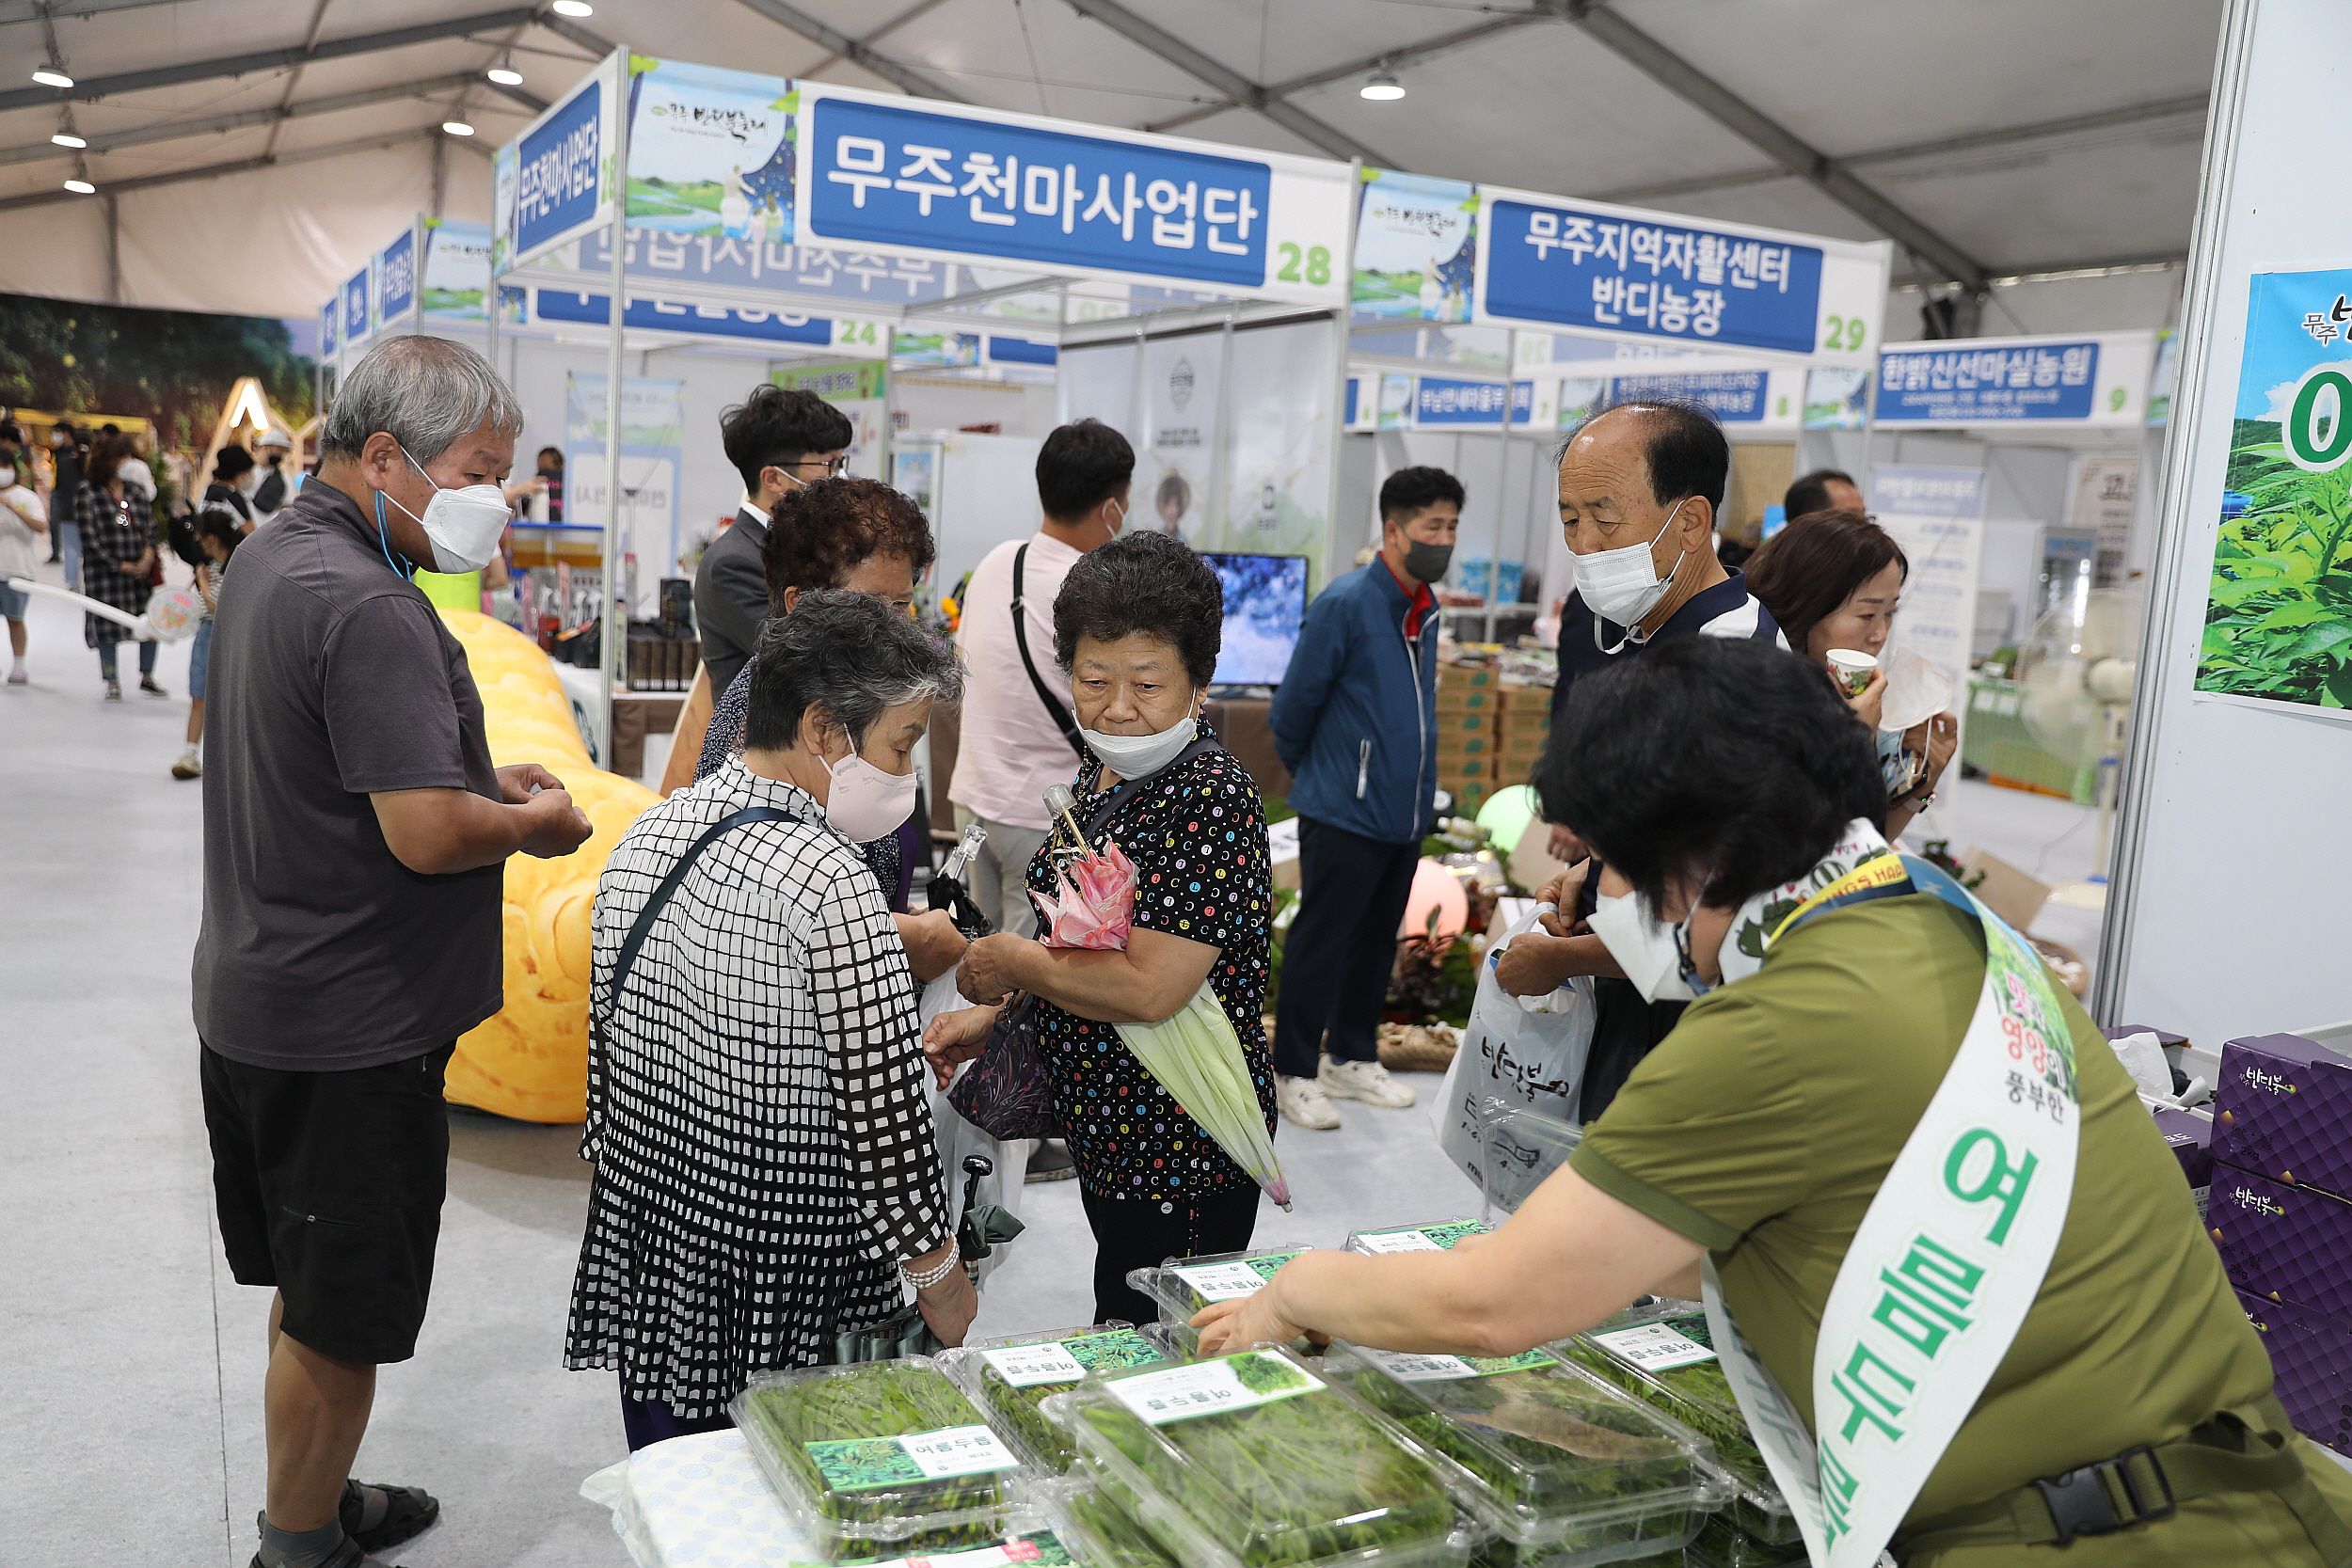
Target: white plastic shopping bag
958, 1137
1519, 1054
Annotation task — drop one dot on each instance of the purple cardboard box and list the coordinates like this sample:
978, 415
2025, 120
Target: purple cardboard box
2311, 1355
2190, 1138
2286, 1243
2283, 1108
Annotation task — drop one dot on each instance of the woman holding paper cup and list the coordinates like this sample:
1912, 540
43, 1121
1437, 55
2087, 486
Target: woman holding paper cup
1833, 580
1978, 1286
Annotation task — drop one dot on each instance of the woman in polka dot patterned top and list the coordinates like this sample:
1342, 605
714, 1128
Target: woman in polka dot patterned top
1138, 625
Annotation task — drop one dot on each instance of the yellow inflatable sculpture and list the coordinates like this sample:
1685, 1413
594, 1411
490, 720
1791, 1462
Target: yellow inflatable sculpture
531, 1061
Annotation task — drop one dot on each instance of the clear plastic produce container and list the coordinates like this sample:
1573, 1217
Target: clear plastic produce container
1098, 1521
1183, 1286
1519, 1150
1255, 1461
1561, 1468
1721, 1543
1438, 1236
1663, 1356
1009, 1377
885, 1459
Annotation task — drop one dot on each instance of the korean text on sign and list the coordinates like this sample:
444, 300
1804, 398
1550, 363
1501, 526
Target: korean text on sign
902, 177
1588, 269
2051, 381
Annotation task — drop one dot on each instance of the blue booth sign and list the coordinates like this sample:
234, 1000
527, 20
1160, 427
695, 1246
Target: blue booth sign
654, 315
355, 308
1735, 396
397, 275
1961, 383
1439, 401
330, 317
843, 273
555, 181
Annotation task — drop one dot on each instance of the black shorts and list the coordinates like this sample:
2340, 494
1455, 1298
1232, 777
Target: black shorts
329, 1186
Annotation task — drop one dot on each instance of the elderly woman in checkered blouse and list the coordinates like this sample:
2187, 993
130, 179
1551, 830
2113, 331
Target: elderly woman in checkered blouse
766, 1170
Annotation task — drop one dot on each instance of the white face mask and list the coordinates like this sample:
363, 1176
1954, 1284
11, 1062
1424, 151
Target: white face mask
8, 478
1139, 756
1643, 947
1623, 585
464, 525
865, 801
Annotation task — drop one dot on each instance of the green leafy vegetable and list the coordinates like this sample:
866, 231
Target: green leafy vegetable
1725, 1544
1014, 1409
867, 1406
1105, 1513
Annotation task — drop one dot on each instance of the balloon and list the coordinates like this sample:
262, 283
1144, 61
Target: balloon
1507, 814
1435, 888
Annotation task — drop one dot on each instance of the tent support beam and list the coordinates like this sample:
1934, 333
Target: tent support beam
1393, 59
792, 18
1149, 37
176, 130
1784, 145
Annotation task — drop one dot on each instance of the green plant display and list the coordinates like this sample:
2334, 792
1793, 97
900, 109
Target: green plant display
1114, 1539
1294, 1481
1014, 1408
2279, 616
872, 1493
1698, 1396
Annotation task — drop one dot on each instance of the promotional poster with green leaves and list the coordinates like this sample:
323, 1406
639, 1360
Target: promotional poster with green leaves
2279, 614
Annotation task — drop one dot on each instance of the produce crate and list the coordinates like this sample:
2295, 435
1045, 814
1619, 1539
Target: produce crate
1469, 793
1438, 1236
1463, 726
1254, 1461
1526, 700
1663, 1356
1558, 1467
1995, 742
1471, 699
1468, 677
1009, 1377
883, 1459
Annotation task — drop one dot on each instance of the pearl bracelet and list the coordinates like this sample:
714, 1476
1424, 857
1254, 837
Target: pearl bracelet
925, 1282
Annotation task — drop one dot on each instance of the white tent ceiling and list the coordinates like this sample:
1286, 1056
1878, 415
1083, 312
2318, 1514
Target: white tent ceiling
248, 154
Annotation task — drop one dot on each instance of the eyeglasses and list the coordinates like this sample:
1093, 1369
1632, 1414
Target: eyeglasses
834, 467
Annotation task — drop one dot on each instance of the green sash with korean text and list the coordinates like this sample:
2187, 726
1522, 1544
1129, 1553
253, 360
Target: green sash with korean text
1947, 1262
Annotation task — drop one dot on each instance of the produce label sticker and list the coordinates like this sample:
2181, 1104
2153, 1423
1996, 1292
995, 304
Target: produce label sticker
1426, 1238
1067, 1360
1407, 1367
1039, 1550
1211, 1388
1657, 1347
1232, 1281
867, 1464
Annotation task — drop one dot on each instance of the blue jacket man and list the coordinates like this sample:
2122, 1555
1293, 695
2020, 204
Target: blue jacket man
1354, 722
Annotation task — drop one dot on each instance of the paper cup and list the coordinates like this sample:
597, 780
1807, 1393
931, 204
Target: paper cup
1853, 670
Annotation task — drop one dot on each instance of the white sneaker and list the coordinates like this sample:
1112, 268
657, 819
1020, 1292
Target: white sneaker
1366, 1081
1303, 1103
190, 766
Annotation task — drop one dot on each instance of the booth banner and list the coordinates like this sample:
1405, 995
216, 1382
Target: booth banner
651, 313
330, 316
1281, 443
996, 349
880, 278
1624, 272
861, 389
456, 270
1937, 516
1416, 248
556, 181
355, 322
1396, 400
1442, 402
1174, 468
396, 278
1751, 401
1097, 381
653, 424
2088, 383
2100, 503
1838, 397
709, 151
959, 182
934, 350
2279, 619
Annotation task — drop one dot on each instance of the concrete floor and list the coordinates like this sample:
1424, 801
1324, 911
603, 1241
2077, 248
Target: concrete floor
133, 1363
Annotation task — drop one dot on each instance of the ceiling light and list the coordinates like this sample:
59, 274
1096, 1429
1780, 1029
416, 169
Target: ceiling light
573, 7
80, 187
67, 139
457, 128
50, 76
1383, 88
506, 76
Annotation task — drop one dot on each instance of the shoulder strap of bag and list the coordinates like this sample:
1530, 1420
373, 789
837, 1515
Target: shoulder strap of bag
1054, 705
1099, 818
669, 885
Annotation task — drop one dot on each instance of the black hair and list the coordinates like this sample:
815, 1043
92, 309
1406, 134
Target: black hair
1713, 757
822, 532
1080, 467
773, 427
556, 452
850, 656
219, 523
1803, 573
1411, 490
229, 462
1684, 444
1143, 583
1809, 493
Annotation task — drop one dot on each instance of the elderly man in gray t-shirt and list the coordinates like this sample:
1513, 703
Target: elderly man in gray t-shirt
354, 835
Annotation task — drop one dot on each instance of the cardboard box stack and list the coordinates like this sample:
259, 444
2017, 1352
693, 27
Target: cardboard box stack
2281, 1210
1488, 733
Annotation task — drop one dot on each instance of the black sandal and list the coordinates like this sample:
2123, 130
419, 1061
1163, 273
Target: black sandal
409, 1512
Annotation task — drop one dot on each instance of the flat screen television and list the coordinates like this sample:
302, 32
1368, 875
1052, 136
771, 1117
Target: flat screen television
1266, 601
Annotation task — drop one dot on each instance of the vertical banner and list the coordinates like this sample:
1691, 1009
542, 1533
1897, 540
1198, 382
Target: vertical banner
357, 322
397, 275
653, 424
2100, 503
860, 389
1937, 516
2279, 617
1838, 397
556, 181
1416, 248
1177, 445
1282, 443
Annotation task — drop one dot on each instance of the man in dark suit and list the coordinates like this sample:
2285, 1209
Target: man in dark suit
779, 441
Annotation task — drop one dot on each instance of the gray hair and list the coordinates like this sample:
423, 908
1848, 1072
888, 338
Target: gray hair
423, 392
850, 653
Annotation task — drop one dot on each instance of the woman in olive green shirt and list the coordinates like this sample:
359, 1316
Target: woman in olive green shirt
1760, 1129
